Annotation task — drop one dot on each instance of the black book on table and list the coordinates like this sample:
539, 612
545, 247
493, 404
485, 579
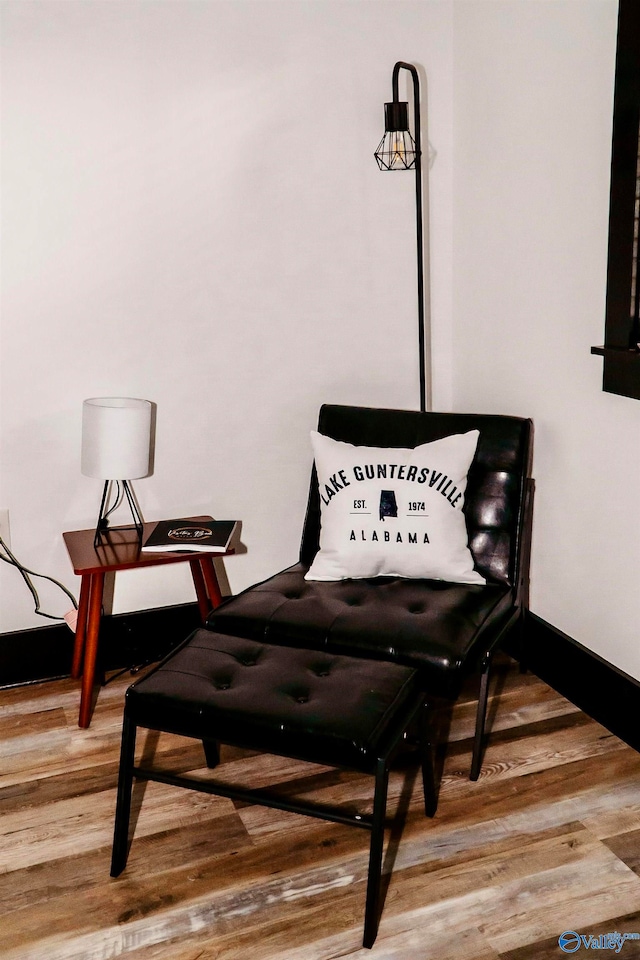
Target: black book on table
185, 536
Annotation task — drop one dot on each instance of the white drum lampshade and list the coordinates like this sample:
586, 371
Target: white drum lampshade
116, 448
116, 438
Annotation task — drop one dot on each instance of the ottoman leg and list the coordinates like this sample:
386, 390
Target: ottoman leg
372, 908
123, 804
211, 753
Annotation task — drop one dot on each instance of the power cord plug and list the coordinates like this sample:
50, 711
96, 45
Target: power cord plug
71, 619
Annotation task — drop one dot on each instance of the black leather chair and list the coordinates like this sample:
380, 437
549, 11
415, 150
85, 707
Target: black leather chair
445, 630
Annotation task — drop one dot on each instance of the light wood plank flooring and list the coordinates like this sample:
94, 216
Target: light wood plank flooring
547, 840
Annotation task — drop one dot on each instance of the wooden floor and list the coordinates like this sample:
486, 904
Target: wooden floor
548, 840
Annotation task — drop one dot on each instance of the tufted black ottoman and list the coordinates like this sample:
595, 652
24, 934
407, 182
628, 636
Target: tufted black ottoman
335, 710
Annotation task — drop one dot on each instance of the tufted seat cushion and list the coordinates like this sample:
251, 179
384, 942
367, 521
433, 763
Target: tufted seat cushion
314, 706
427, 624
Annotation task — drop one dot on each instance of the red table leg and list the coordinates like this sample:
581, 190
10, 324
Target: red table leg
91, 647
211, 580
204, 605
81, 627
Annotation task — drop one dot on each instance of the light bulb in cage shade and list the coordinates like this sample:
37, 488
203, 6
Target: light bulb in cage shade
397, 149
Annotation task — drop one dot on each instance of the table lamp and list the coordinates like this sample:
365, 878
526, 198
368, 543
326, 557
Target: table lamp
116, 448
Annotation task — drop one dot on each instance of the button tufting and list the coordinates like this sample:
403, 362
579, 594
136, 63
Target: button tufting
302, 699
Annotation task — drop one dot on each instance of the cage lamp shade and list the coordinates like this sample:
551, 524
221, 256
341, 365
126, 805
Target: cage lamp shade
116, 438
397, 149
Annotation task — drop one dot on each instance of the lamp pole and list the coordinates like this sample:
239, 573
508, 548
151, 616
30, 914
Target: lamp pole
404, 154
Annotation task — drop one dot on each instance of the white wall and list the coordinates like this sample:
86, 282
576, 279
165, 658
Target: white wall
192, 214
533, 111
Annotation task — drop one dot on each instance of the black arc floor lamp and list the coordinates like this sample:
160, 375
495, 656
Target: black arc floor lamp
399, 151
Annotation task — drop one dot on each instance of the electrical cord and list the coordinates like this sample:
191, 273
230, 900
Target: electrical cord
7, 556
117, 501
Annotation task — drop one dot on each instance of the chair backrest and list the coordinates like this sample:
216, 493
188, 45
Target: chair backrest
498, 491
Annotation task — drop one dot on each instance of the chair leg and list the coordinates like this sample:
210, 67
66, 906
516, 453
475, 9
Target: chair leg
426, 756
372, 908
211, 753
123, 805
481, 716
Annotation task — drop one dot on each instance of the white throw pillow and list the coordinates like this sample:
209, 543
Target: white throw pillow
394, 512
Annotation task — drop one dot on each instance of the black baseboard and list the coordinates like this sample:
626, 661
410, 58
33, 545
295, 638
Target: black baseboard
126, 640
601, 690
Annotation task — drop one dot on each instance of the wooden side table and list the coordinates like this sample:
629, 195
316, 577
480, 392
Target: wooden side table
122, 552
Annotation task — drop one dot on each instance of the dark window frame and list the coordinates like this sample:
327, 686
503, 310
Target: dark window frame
621, 350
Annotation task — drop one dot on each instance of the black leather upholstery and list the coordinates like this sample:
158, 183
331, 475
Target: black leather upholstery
427, 624
300, 703
442, 629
